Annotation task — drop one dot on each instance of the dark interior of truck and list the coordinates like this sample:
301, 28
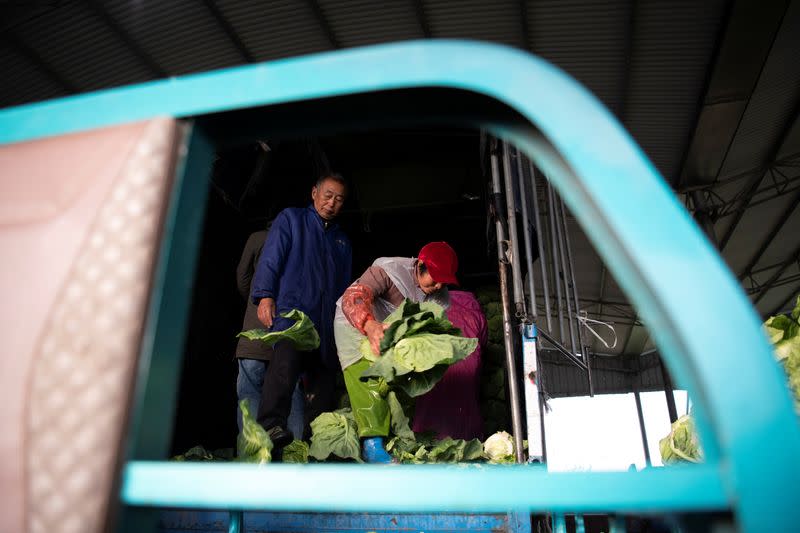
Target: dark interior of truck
408, 186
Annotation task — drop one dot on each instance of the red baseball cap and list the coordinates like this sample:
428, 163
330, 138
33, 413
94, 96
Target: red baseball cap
441, 261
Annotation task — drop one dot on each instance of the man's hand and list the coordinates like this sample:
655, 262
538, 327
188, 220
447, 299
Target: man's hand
266, 311
374, 331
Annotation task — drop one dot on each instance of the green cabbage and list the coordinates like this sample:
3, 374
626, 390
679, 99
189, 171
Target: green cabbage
335, 433
302, 334
417, 347
783, 331
253, 444
200, 453
295, 452
681, 445
424, 449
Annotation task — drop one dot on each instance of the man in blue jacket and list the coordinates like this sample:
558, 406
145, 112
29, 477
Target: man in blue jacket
306, 265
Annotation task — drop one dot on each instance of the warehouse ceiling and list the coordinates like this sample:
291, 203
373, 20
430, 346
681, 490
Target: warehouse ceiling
710, 90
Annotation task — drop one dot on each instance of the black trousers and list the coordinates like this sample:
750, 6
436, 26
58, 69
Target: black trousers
282, 374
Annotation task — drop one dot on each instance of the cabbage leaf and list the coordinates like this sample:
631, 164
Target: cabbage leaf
681, 445
295, 452
335, 433
417, 347
253, 444
302, 334
784, 333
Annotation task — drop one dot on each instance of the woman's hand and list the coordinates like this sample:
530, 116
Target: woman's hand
374, 331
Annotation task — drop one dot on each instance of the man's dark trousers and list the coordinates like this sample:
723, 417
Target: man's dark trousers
282, 373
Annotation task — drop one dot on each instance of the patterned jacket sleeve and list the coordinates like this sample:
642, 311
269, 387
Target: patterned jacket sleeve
358, 298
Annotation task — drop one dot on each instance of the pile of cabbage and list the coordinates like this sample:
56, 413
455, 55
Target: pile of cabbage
335, 437
418, 347
493, 397
784, 333
682, 445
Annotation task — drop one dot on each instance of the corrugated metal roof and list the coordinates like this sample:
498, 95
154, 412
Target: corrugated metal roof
497, 21
672, 51
610, 375
362, 22
591, 41
276, 29
649, 62
77, 44
23, 81
180, 35
772, 105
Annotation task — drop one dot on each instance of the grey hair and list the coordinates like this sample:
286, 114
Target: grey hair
335, 176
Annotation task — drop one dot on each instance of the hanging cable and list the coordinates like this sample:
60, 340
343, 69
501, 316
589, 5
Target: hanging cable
584, 320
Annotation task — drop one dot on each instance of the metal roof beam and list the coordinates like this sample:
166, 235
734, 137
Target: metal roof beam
132, 46
749, 37
787, 302
794, 256
703, 96
625, 82
792, 160
776, 228
770, 192
628, 336
422, 18
34, 58
752, 186
226, 27
316, 9
525, 31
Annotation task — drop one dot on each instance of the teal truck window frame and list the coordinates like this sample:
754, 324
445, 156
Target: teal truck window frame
701, 320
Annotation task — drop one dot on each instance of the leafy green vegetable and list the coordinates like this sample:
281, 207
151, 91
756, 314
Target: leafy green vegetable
399, 420
784, 333
493, 386
296, 452
487, 294
417, 347
681, 445
494, 404
253, 444
456, 451
499, 448
335, 433
494, 354
303, 335
411, 318
427, 450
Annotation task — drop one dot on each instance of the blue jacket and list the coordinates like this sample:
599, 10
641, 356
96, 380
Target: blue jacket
305, 266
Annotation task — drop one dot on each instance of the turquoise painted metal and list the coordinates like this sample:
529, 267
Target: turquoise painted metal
183, 521
705, 328
479, 488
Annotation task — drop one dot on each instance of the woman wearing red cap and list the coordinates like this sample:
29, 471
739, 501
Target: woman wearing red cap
360, 312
